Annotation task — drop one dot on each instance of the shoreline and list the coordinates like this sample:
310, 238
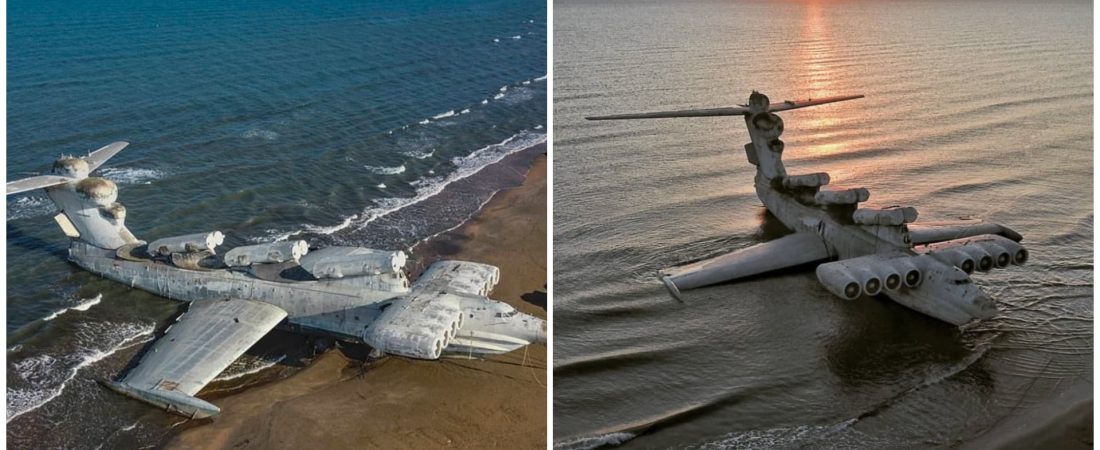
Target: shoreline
339, 402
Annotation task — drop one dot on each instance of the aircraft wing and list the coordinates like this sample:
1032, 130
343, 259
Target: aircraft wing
201, 344
98, 157
928, 232
787, 251
39, 182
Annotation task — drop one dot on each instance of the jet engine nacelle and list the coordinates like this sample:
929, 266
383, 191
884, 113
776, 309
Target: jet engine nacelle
422, 335
955, 257
850, 278
987, 250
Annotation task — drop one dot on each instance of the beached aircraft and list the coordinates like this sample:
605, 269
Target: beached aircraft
352, 294
924, 266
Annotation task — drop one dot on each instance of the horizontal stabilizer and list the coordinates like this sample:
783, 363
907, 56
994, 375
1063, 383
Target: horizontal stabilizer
787, 251
713, 112
98, 157
732, 111
39, 182
788, 105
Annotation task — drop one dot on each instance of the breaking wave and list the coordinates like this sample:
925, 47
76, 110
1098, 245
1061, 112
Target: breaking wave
445, 115
42, 378
419, 154
466, 166
123, 175
82, 306
386, 170
429, 187
588, 443
27, 207
247, 366
260, 133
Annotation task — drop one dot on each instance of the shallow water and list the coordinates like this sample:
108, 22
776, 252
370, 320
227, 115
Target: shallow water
342, 123
972, 109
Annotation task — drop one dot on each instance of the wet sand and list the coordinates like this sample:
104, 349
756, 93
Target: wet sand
338, 402
1062, 423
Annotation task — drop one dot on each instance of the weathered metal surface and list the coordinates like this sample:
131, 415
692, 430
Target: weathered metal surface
875, 248
202, 343
274, 252
350, 293
190, 243
340, 262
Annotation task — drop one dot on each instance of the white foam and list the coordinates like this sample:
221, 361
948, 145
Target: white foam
239, 368
542, 78
420, 154
82, 306
498, 96
485, 101
538, 127
445, 115
496, 40
27, 207
464, 111
517, 37
793, 437
329, 230
526, 82
260, 133
129, 175
386, 170
381, 185
504, 89
465, 166
587, 443
48, 375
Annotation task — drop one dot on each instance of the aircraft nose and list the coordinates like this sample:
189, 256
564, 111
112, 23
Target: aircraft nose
984, 305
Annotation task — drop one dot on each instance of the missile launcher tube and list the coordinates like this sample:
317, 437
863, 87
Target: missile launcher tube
186, 244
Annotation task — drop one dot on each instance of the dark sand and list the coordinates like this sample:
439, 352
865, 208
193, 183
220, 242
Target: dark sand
395, 402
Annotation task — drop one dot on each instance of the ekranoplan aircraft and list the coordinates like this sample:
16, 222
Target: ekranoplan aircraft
353, 294
924, 266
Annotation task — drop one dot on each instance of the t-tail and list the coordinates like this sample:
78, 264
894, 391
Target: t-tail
766, 149
88, 208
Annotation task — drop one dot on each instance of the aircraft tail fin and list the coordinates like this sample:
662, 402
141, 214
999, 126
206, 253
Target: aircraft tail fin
94, 160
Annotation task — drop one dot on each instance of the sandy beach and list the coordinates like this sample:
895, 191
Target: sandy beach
338, 402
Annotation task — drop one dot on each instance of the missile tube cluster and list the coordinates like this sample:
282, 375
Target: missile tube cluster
274, 252
186, 244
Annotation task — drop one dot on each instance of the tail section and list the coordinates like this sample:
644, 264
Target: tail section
89, 210
765, 127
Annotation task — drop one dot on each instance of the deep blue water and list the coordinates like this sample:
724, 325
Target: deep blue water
259, 119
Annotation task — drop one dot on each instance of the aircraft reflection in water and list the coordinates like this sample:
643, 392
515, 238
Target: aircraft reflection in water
924, 266
350, 293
